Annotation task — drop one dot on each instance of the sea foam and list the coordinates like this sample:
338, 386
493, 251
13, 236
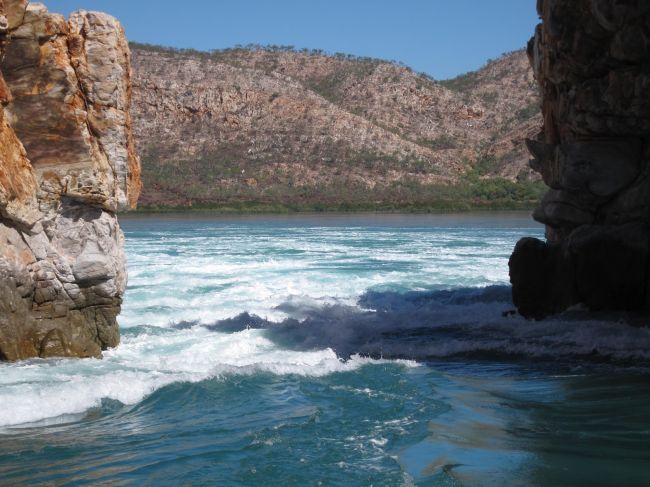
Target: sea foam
148, 360
198, 290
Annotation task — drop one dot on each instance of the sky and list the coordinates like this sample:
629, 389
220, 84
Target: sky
443, 38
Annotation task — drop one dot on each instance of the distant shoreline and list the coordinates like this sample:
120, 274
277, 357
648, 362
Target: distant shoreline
279, 209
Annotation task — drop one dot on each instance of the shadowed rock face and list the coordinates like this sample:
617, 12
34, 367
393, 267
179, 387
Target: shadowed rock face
67, 164
592, 61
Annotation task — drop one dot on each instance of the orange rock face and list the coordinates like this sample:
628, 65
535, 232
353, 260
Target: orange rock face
17, 181
67, 165
70, 84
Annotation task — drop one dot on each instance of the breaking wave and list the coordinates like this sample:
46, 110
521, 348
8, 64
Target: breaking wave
466, 322
213, 300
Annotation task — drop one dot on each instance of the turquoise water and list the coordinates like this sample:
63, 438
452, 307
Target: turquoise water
333, 350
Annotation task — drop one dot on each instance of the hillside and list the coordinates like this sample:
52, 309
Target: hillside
274, 128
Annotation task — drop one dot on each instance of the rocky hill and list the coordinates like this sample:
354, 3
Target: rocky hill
274, 127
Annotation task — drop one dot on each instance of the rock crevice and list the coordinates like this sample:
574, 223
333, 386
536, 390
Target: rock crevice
67, 165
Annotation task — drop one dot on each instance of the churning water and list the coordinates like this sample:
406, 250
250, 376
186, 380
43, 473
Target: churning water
333, 350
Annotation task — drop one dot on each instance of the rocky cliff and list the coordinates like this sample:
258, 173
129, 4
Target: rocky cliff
592, 61
67, 165
275, 125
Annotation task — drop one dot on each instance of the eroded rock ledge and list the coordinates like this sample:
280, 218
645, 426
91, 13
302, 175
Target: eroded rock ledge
67, 165
592, 61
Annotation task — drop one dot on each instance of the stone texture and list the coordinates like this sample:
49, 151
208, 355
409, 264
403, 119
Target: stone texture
67, 164
17, 181
591, 59
70, 83
100, 56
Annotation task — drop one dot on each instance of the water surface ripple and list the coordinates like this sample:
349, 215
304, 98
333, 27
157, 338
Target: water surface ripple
333, 350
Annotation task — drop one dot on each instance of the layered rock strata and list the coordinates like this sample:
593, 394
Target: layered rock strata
67, 166
310, 129
592, 61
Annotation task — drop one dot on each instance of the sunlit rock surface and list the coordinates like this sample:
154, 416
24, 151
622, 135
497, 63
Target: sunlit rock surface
592, 62
67, 165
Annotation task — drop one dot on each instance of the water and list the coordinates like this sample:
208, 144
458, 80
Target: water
333, 350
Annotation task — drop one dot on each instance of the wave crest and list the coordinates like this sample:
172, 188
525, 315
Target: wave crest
464, 322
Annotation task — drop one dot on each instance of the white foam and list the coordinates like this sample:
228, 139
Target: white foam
259, 267
208, 271
34, 391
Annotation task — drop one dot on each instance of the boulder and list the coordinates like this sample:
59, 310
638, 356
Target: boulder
601, 267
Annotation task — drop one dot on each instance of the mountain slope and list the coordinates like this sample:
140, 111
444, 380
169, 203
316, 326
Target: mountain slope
260, 126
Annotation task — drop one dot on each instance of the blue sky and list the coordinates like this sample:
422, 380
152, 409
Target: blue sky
440, 37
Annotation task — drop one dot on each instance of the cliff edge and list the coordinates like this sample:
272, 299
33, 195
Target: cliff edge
592, 61
67, 165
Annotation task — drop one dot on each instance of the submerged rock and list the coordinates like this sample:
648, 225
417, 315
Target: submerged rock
67, 165
591, 60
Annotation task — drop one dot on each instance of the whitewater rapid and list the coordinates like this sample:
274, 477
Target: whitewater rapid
214, 298
204, 270
145, 362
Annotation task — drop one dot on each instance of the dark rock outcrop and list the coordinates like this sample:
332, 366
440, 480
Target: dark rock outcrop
592, 61
67, 165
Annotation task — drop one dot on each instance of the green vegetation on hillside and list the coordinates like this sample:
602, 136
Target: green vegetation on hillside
528, 111
229, 54
329, 87
461, 82
441, 142
223, 183
470, 80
